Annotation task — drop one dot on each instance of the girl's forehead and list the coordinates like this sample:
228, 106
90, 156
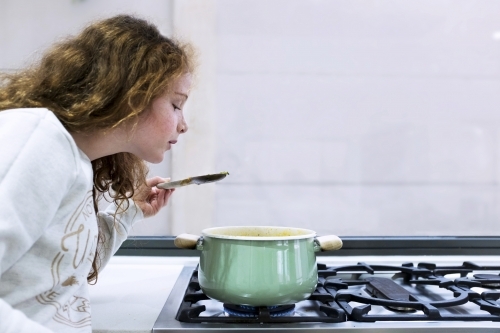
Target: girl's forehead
179, 84
183, 83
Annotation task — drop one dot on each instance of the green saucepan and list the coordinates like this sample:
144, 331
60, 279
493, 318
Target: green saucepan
258, 266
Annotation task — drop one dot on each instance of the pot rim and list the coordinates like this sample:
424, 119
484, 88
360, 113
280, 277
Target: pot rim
228, 233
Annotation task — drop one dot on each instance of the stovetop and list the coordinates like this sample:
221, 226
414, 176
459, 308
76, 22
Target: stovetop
361, 296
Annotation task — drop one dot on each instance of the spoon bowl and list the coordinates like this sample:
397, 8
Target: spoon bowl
198, 180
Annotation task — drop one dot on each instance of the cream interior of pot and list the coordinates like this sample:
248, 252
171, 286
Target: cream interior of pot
258, 233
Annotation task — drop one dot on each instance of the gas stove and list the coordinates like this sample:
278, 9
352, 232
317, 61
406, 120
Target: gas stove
370, 296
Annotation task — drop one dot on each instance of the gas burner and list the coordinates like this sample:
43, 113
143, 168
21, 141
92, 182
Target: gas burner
253, 312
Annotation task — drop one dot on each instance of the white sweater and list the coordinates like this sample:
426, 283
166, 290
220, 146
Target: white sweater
48, 228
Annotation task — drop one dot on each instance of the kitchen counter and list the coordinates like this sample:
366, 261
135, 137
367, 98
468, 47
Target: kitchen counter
131, 291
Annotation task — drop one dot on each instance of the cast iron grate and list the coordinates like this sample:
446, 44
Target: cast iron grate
191, 312
338, 299
422, 310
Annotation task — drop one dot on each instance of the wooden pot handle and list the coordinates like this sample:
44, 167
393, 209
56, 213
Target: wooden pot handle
329, 243
186, 241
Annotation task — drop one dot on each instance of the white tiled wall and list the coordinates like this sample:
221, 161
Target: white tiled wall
359, 117
363, 210
352, 117
28, 27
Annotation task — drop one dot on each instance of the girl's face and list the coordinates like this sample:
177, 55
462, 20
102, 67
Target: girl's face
160, 125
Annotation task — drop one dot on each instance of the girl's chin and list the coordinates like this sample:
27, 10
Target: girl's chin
155, 159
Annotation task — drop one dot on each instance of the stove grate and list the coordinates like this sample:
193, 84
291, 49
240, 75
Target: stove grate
339, 299
190, 312
423, 274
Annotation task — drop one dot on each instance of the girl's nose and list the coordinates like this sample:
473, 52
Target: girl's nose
182, 127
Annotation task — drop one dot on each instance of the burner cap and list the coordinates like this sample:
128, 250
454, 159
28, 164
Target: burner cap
400, 309
253, 312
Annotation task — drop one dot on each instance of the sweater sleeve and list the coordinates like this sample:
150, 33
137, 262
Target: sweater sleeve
14, 321
115, 230
36, 171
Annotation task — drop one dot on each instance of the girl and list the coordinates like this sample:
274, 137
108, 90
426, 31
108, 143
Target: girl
76, 126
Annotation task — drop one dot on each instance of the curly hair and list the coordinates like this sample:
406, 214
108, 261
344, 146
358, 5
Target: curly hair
105, 76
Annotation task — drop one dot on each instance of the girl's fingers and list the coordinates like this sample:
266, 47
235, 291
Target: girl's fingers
155, 198
151, 182
162, 197
166, 196
161, 200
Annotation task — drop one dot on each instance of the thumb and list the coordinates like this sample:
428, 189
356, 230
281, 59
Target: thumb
156, 180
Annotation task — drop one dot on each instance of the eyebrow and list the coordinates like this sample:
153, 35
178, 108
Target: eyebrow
185, 96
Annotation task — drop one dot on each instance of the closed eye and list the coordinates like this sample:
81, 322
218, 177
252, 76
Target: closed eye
176, 107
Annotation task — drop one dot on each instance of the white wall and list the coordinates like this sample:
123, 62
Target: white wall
360, 117
352, 117
27, 27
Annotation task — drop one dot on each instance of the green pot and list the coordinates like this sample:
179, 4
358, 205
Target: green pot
258, 266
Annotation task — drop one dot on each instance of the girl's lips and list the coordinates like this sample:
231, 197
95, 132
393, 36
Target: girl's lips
173, 142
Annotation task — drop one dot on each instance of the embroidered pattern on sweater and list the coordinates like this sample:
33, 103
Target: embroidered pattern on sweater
78, 246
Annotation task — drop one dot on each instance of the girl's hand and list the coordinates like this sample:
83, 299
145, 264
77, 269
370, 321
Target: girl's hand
151, 199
